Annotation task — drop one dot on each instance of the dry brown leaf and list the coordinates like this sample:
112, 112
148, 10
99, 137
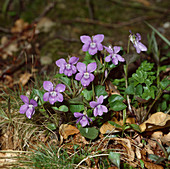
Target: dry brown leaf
138, 153
44, 25
144, 2
149, 165
24, 78
156, 121
19, 26
127, 144
78, 138
166, 139
157, 135
66, 130
111, 89
7, 158
108, 128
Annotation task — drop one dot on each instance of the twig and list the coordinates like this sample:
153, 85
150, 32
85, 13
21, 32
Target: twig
5, 30
138, 6
46, 10
107, 25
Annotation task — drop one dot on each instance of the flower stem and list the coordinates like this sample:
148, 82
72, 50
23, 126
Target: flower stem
93, 90
157, 97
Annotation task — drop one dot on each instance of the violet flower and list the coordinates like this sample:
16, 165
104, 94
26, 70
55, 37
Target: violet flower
85, 75
135, 39
53, 95
98, 107
67, 68
83, 119
28, 107
114, 56
92, 45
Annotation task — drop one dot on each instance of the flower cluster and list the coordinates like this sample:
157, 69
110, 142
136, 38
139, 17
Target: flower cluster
82, 73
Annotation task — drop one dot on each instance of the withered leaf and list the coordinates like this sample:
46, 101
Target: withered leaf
156, 121
66, 130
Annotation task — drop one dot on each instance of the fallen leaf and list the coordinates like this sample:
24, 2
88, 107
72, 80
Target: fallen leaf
156, 121
66, 130
19, 26
24, 78
157, 135
127, 144
149, 165
44, 25
138, 153
166, 139
108, 128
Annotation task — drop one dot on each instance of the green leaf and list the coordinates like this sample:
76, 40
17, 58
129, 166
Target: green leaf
153, 157
55, 108
139, 90
135, 127
164, 83
115, 158
100, 90
159, 34
51, 126
40, 94
87, 94
89, 132
59, 75
115, 124
63, 108
76, 100
65, 80
142, 164
117, 106
130, 90
76, 108
115, 97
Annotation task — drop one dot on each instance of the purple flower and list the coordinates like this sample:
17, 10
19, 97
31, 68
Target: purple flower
53, 95
135, 39
98, 108
67, 68
28, 107
83, 119
114, 56
92, 45
85, 75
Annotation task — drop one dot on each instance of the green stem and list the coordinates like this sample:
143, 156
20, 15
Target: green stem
93, 91
157, 97
72, 82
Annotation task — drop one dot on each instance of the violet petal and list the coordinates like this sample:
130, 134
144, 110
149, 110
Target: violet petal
85, 39
79, 76
91, 67
98, 38
33, 102
92, 51
46, 96
93, 104
60, 97
24, 99
60, 88
116, 49
73, 60
48, 86
81, 67
23, 108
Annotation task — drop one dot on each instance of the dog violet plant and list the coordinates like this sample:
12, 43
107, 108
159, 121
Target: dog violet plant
74, 93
